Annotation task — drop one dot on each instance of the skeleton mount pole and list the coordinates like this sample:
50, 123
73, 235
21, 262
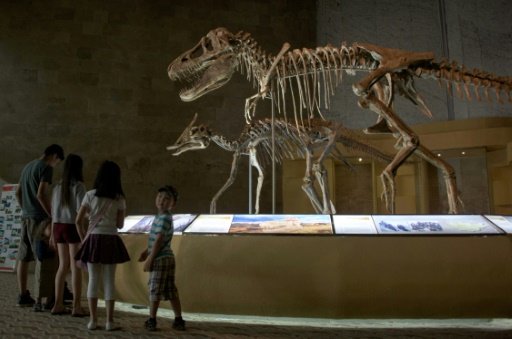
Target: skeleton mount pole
250, 185
273, 160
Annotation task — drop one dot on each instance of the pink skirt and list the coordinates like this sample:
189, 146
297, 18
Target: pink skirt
103, 249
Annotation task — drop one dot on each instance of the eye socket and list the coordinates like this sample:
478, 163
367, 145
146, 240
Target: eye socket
208, 45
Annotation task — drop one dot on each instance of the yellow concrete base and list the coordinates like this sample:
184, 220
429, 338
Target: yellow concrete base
335, 276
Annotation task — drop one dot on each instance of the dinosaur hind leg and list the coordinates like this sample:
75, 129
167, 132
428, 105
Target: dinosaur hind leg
321, 177
407, 144
454, 201
389, 191
227, 184
308, 184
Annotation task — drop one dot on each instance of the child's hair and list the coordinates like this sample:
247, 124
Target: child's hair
169, 190
72, 173
108, 181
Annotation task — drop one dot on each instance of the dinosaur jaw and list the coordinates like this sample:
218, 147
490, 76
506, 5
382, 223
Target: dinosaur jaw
210, 76
191, 145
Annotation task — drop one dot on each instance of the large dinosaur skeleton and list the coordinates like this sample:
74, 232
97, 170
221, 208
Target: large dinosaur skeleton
307, 79
290, 143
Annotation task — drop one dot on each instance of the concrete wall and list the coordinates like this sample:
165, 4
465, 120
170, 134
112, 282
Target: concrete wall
91, 76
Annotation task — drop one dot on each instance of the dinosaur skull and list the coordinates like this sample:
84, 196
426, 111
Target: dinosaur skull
192, 138
211, 63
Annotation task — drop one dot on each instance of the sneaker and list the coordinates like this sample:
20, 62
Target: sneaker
178, 324
48, 305
111, 326
25, 300
150, 324
38, 307
91, 325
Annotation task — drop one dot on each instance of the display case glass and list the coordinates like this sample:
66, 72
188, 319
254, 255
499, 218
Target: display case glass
354, 224
281, 224
142, 223
434, 224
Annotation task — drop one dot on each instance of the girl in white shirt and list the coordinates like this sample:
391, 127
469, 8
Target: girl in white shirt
103, 249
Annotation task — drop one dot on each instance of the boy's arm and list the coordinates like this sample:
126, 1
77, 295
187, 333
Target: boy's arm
143, 256
159, 240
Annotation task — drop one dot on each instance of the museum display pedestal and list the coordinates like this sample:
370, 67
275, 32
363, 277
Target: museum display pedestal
334, 276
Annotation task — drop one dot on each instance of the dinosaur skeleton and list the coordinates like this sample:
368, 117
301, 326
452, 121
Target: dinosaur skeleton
307, 78
290, 143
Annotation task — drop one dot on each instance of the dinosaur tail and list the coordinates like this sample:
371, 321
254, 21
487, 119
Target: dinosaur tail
467, 83
352, 142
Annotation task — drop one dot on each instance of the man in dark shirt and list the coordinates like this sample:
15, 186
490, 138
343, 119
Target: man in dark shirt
32, 196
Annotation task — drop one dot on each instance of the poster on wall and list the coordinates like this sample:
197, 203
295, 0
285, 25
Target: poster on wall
281, 224
354, 224
142, 223
434, 224
10, 228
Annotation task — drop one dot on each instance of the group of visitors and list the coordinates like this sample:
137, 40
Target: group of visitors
74, 227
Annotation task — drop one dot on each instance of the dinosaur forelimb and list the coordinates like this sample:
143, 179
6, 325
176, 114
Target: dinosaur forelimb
264, 84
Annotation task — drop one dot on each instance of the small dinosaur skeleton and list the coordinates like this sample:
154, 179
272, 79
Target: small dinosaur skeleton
307, 78
290, 143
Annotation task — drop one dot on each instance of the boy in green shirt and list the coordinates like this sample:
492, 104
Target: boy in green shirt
159, 260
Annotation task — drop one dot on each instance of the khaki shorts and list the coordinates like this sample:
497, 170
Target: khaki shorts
31, 231
44, 273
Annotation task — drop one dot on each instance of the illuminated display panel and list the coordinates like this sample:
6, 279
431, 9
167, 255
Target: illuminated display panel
281, 224
503, 222
434, 224
137, 224
210, 223
142, 223
354, 224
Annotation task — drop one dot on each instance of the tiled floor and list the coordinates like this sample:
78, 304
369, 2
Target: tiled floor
16, 322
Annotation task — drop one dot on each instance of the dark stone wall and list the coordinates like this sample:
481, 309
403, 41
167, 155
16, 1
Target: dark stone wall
474, 33
91, 76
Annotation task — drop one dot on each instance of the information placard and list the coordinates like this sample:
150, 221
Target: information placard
503, 222
434, 224
354, 224
281, 223
142, 223
10, 228
210, 223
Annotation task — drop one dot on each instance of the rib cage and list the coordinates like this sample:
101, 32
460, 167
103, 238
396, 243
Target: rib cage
307, 78
291, 143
